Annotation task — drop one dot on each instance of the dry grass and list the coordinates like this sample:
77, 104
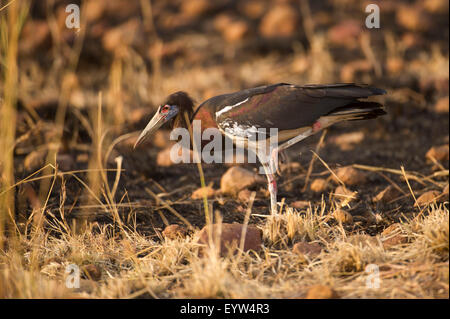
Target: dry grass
132, 265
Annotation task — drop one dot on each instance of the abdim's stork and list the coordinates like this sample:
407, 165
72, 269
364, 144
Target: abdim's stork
296, 111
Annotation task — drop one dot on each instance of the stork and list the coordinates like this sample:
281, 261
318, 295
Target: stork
296, 111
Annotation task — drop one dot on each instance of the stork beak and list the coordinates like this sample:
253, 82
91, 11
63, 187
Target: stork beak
152, 126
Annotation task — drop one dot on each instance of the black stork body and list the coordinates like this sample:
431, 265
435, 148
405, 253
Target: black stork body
295, 111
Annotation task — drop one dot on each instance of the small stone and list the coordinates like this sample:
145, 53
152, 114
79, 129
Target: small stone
237, 178
395, 65
345, 195
280, 21
319, 185
235, 31
440, 153
343, 216
346, 33
413, 18
347, 141
92, 272
311, 250
350, 176
231, 237
253, 9
301, 204
201, 192
427, 198
244, 195
441, 105
321, 292
362, 240
195, 8
436, 6
388, 194
174, 231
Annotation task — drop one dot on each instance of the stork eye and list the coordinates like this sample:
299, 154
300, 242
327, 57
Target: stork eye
165, 109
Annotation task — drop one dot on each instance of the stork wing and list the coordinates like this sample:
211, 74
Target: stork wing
282, 106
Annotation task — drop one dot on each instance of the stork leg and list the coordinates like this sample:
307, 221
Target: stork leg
272, 186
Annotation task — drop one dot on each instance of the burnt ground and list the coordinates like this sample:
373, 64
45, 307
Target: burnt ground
200, 56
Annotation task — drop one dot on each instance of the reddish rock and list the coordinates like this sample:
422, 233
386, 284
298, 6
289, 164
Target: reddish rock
441, 105
440, 153
344, 195
319, 185
244, 195
300, 204
427, 198
195, 8
347, 141
281, 21
350, 176
321, 292
174, 231
346, 33
311, 250
231, 237
201, 192
235, 31
413, 18
343, 216
126, 34
237, 178
388, 194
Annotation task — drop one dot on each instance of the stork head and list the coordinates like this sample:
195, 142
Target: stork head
172, 110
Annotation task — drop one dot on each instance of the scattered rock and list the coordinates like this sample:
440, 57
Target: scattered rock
393, 229
237, 178
126, 34
395, 64
174, 231
319, 185
321, 292
92, 272
349, 70
253, 9
231, 237
235, 31
281, 21
427, 198
436, 6
300, 204
311, 250
413, 18
347, 141
201, 192
441, 105
164, 158
363, 240
440, 153
350, 176
244, 195
388, 194
346, 33
195, 8
343, 216
345, 195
